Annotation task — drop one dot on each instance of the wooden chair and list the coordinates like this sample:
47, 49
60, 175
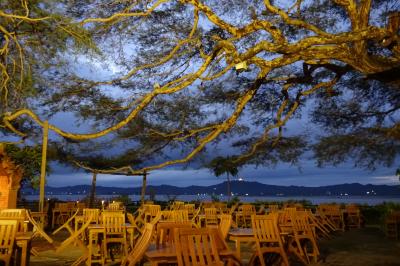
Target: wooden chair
115, 231
325, 221
191, 209
75, 238
392, 222
320, 230
303, 244
116, 206
273, 208
211, 217
64, 212
67, 225
268, 239
177, 205
140, 248
285, 219
244, 215
8, 229
196, 247
334, 214
261, 210
151, 211
15, 214
80, 205
353, 217
180, 216
165, 232
232, 212
93, 214
221, 207
225, 224
37, 231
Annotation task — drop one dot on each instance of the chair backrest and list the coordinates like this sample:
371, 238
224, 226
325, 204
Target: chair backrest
94, 213
247, 209
211, 217
190, 208
225, 224
15, 214
81, 205
115, 206
285, 216
165, 232
196, 247
114, 222
8, 229
71, 205
208, 204
273, 208
265, 229
151, 209
221, 207
63, 207
233, 208
300, 222
141, 246
177, 205
180, 216
166, 215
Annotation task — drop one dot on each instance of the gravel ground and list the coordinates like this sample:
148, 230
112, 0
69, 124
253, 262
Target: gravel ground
362, 247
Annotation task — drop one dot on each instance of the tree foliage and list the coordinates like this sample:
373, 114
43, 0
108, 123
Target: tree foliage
29, 159
186, 76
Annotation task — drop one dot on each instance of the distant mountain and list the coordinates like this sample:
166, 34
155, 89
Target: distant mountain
240, 188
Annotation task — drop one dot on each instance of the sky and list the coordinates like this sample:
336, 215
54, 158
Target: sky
282, 174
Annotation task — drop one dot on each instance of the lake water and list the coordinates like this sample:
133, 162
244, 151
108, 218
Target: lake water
370, 200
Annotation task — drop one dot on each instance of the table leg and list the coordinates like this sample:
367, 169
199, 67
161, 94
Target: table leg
237, 246
24, 245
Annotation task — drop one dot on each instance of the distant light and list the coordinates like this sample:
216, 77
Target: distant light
240, 179
247, 194
367, 192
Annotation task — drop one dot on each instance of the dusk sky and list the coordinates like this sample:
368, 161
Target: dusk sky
283, 174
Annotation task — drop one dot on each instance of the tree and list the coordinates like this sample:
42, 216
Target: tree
199, 76
29, 159
221, 165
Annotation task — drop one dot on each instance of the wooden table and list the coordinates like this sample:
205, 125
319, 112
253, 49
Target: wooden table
23, 241
157, 254
94, 231
239, 235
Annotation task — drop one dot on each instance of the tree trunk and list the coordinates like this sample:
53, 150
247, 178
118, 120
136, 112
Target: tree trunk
228, 186
93, 191
143, 187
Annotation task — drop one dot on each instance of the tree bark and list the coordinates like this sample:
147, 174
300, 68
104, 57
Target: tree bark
93, 190
228, 186
143, 187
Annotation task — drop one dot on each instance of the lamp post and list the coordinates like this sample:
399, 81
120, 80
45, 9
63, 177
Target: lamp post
43, 165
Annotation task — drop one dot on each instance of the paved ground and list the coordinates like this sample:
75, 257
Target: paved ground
364, 247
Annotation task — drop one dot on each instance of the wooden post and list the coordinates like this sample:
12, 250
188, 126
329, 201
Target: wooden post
143, 187
43, 166
93, 190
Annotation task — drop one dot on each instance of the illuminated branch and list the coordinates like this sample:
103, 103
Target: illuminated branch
221, 128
